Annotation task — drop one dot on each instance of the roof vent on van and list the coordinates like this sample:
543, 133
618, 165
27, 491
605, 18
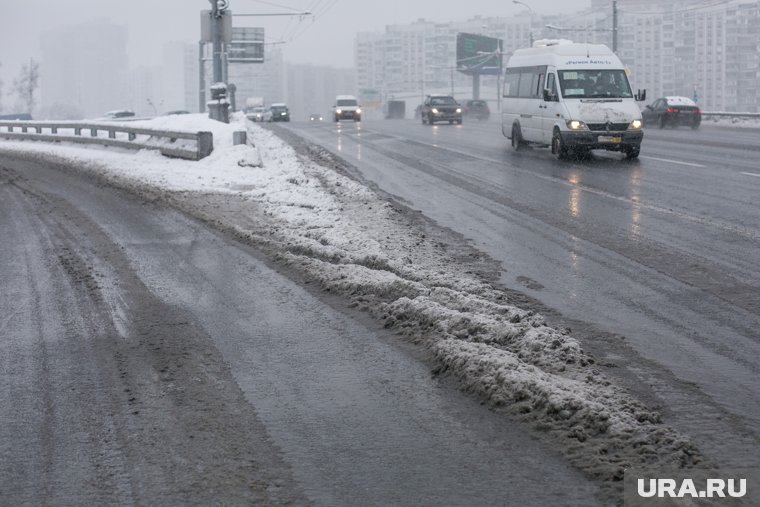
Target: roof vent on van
550, 42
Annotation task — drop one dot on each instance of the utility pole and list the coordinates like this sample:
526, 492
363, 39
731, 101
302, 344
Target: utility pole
614, 26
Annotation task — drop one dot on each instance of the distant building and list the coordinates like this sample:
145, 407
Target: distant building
179, 77
83, 67
695, 48
415, 59
266, 80
312, 89
145, 91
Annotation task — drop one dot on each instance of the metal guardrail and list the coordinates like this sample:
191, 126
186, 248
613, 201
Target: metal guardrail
729, 114
117, 135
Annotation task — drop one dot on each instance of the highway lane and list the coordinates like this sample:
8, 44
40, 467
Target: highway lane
147, 359
662, 251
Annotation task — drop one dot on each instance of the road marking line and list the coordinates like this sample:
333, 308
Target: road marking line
673, 161
752, 174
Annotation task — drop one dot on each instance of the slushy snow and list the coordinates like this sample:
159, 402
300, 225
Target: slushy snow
336, 230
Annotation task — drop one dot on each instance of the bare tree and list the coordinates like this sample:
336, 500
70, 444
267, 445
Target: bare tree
26, 84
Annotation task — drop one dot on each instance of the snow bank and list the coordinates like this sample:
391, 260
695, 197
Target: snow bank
337, 231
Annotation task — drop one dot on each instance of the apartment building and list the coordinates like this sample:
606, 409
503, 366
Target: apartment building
696, 48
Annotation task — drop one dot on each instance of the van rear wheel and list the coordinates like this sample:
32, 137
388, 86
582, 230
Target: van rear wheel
517, 140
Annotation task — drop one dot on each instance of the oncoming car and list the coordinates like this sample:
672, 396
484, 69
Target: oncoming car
571, 97
441, 108
347, 108
672, 111
279, 112
315, 117
255, 113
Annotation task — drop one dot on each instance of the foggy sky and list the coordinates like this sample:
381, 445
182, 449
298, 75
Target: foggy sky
326, 40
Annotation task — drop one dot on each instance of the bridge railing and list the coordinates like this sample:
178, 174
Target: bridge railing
187, 145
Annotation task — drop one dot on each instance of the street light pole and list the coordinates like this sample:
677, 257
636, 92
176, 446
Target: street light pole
530, 9
614, 26
217, 11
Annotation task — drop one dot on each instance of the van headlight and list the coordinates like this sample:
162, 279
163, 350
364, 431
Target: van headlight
434, 111
338, 111
358, 110
575, 125
459, 110
635, 124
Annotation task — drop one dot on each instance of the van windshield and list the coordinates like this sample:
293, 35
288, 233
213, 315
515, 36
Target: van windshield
597, 83
346, 102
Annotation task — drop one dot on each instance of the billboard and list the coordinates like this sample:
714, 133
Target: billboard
246, 46
478, 54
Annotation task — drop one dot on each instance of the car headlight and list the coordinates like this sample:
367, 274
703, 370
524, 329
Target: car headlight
283, 113
434, 111
358, 110
338, 111
459, 110
635, 124
575, 125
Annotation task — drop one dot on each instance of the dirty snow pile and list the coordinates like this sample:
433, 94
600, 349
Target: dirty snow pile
308, 213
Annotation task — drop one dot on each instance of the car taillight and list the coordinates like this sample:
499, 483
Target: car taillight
697, 111
671, 110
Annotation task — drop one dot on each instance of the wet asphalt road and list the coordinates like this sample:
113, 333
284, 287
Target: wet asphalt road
655, 262
149, 360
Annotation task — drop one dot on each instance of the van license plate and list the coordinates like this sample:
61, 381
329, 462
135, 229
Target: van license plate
609, 139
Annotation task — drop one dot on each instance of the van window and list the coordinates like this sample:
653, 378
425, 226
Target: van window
347, 102
551, 84
596, 83
511, 83
527, 84
524, 82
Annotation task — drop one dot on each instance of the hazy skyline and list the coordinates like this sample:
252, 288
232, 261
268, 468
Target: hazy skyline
325, 38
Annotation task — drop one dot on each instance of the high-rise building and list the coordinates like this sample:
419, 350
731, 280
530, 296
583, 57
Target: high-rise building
83, 66
696, 48
419, 58
179, 77
312, 89
266, 80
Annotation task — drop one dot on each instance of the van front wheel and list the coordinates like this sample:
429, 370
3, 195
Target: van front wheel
558, 147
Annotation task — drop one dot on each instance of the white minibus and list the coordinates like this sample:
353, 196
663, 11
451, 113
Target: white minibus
573, 97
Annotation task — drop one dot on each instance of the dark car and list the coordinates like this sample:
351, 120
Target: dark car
279, 112
477, 109
119, 113
672, 112
315, 117
441, 108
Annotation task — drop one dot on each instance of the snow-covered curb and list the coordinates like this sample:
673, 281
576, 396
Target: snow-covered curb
335, 230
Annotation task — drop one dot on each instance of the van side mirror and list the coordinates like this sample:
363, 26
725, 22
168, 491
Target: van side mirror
641, 95
549, 96
649, 106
